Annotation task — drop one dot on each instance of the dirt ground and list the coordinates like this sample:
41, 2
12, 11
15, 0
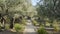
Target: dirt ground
8, 32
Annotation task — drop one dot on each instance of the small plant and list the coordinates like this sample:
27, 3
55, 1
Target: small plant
41, 30
24, 21
34, 22
7, 26
56, 28
18, 27
0, 27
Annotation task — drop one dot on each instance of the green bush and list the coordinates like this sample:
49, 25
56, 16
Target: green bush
18, 27
34, 22
24, 21
56, 28
7, 26
42, 31
0, 27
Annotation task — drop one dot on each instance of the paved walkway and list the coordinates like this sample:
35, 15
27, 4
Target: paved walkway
29, 29
8, 32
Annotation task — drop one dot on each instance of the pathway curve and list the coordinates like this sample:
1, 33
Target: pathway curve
29, 28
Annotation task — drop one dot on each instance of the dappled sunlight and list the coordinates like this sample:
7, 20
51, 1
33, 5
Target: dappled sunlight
29, 29
29, 16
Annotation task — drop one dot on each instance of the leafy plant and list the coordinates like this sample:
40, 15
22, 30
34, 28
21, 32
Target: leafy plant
41, 30
18, 27
34, 22
7, 26
0, 27
56, 28
24, 21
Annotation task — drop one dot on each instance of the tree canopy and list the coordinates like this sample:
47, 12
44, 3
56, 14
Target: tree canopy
48, 8
23, 7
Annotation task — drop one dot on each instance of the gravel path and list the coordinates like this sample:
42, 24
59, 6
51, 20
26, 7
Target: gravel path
29, 29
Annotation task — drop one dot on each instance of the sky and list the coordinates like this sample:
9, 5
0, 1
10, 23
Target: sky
34, 2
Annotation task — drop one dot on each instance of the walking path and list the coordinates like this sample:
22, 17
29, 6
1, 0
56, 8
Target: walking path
29, 29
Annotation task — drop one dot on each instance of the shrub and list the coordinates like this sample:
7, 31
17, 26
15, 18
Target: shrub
56, 28
42, 31
34, 22
18, 27
24, 21
7, 26
0, 27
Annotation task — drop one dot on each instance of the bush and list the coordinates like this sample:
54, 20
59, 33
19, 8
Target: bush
18, 27
0, 27
42, 31
34, 22
24, 21
56, 28
7, 26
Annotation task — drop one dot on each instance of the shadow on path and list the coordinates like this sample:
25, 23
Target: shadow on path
8, 32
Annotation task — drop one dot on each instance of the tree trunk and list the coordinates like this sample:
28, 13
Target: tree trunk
11, 23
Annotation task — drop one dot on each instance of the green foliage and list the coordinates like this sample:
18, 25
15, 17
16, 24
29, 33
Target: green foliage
0, 27
7, 19
41, 30
34, 22
48, 8
7, 26
24, 7
47, 24
24, 21
18, 27
56, 28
